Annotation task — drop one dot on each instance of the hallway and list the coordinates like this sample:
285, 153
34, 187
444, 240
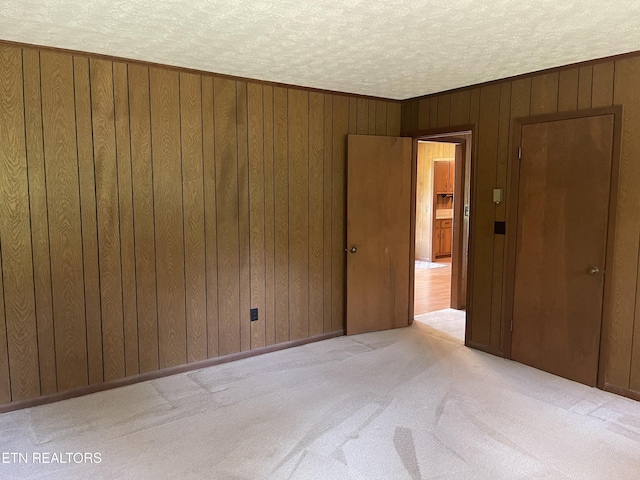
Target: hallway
433, 287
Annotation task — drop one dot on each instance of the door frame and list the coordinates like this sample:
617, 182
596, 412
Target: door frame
512, 223
453, 134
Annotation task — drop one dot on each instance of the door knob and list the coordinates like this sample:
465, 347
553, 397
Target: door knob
593, 270
354, 249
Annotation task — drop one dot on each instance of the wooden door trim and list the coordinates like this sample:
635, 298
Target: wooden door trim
512, 220
453, 134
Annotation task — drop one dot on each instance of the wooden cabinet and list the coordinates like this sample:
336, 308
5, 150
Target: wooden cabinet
444, 175
442, 237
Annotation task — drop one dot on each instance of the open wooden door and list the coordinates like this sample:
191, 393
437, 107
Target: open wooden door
378, 232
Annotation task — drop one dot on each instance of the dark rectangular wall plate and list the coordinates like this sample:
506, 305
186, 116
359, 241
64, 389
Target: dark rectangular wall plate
254, 314
499, 228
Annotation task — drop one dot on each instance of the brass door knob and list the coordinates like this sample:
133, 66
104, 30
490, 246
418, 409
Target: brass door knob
593, 270
353, 249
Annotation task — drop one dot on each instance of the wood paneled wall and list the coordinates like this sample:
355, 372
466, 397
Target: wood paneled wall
491, 108
427, 152
145, 210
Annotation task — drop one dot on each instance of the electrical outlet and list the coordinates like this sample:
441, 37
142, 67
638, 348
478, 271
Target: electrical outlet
254, 315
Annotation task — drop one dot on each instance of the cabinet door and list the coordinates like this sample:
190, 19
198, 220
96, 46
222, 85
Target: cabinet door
445, 241
452, 176
441, 176
437, 233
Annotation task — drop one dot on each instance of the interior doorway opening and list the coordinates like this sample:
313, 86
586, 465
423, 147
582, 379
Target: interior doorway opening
442, 166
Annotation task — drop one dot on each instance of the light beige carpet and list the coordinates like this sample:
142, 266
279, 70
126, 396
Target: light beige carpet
403, 404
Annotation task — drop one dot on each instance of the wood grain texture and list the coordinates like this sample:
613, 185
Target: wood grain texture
544, 94
269, 219
226, 154
298, 121
327, 218
106, 168
281, 213
484, 216
433, 112
125, 199
444, 110
602, 86
381, 117
257, 212
243, 216
460, 107
393, 119
194, 219
372, 117
362, 120
144, 214
584, 87
338, 208
423, 114
568, 90
315, 213
15, 231
625, 272
87, 179
5, 378
210, 216
39, 221
65, 231
167, 194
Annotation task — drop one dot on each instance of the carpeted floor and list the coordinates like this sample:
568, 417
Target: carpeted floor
403, 404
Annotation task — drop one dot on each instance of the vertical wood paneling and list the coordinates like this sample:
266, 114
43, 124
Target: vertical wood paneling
338, 242
167, 194
243, 217
257, 212
65, 234
210, 216
106, 168
393, 119
15, 231
381, 118
281, 212
144, 214
500, 215
625, 272
584, 87
269, 219
298, 111
194, 220
602, 87
327, 218
433, 112
226, 154
460, 107
372, 117
362, 122
5, 379
414, 115
315, 211
405, 117
88, 210
568, 90
423, 113
444, 109
544, 94
485, 179
39, 221
125, 198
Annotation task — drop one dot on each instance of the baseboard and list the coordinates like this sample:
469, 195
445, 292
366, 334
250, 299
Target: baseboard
484, 348
143, 377
632, 394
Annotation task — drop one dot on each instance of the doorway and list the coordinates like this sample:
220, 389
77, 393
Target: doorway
561, 235
442, 166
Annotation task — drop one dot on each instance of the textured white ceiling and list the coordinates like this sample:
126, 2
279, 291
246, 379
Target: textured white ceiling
389, 48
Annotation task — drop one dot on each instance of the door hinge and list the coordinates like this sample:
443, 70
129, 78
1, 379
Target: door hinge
519, 153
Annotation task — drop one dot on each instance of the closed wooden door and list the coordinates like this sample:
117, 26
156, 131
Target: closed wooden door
378, 232
562, 223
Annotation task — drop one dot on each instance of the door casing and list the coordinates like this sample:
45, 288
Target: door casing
512, 219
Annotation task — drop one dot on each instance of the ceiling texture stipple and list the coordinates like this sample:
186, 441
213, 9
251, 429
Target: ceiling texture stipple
394, 48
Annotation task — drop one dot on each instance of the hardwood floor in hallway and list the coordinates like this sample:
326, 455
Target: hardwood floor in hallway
433, 288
